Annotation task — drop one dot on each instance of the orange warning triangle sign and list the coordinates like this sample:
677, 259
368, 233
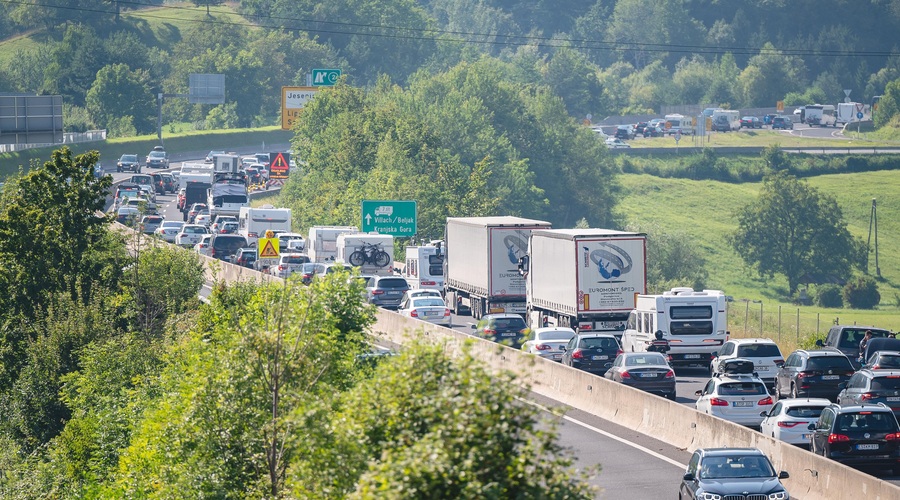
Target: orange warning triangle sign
268, 248
279, 162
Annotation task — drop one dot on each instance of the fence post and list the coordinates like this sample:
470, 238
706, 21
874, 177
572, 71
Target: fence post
779, 323
817, 324
798, 325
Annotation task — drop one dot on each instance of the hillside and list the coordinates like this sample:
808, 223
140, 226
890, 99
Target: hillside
707, 210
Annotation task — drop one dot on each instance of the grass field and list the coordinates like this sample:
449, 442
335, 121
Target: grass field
765, 137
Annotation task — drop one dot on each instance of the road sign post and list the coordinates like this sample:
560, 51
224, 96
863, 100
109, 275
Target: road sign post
397, 218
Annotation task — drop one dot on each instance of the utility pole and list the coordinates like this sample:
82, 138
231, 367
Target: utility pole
873, 223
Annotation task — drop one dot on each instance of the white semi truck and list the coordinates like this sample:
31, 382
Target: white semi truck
481, 261
584, 278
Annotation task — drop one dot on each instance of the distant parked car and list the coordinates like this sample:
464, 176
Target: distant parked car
865, 435
169, 229
386, 291
150, 223
505, 328
732, 473
813, 374
128, 163
212, 154
616, 143
846, 338
782, 122
624, 132
430, 309
246, 257
872, 387
789, 419
158, 158
654, 131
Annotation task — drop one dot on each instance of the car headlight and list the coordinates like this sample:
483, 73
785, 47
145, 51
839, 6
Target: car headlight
779, 495
709, 496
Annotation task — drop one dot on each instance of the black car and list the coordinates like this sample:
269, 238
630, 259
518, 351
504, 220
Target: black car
226, 246
506, 328
246, 257
624, 132
654, 131
813, 374
158, 184
639, 127
871, 387
782, 122
863, 435
591, 352
846, 338
169, 182
129, 163
722, 472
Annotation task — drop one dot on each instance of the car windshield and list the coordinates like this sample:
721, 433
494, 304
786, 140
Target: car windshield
392, 283
758, 351
229, 245
194, 230
850, 338
599, 343
888, 361
742, 389
735, 466
888, 383
866, 421
173, 223
142, 179
157, 154
804, 411
311, 267
129, 158
555, 335
428, 302
829, 363
295, 259
645, 359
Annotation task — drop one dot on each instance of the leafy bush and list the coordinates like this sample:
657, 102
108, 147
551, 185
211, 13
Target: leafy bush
829, 295
862, 293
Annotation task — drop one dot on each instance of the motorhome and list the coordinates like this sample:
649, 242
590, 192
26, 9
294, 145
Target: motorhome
678, 123
848, 112
227, 195
693, 322
321, 245
424, 267
254, 222
726, 120
821, 114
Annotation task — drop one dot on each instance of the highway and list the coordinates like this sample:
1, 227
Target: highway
633, 465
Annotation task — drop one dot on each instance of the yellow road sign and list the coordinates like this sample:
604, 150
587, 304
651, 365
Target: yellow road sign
268, 248
779, 106
293, 99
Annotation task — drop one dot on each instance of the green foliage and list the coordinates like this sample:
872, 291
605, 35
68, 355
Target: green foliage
888, 105
673, 259
862, 293
77, 119
792, 229
421, 425
119, 92
829, 295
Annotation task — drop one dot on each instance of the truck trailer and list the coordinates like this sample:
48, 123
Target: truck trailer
586, 279
481, 273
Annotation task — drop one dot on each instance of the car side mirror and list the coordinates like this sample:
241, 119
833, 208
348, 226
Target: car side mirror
811, 427
563, 348
698, 393
763, 414
819, 343
688, 476
715, 354
842, 385
472, 327
783, 475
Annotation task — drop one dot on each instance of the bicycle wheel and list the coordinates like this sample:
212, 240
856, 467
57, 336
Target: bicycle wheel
381, 258
357, 258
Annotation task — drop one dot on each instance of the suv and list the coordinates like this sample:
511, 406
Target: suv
145, 182
128, 162
288, 263
386, 291
846, 338
723, 472
225, 246
502, 327
764, 353
245, 257
870, 387
813, 374
158, 158
884, 360
591, 352
169, 183
125, 190
624, 132
782, 122
858, 435
735, 395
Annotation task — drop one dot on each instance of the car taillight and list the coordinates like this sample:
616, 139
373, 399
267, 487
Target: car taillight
765, 401
779, 363
488, 331
543, 347
446, 312
619, 351
893, 437
789, 425
413, 313
577, 354
626, 375
252, 235
377, 292
670, 374
804, 374
282, 267
307, 275
429, 283
838, 438
718, 402
866, 396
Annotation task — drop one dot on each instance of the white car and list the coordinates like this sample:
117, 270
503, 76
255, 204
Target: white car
169, 229
421, 292
291, 241
190, 235
202, 219
203, 247
288, 263
616, 143
738, 398
430, 309
764, 353
789, 419
548, 342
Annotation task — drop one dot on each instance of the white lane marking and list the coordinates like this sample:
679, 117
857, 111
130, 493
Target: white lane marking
613, 436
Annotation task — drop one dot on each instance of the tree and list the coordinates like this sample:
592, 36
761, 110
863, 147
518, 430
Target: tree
769, 75
74, 63
792, 229
119, 92
889, 104
207, 3
673, 259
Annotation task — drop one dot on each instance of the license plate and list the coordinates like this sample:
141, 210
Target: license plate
647, 375
557, 356
599, 358
393, 294
691, 356
742, 404
761, 368
893, 398
830, 377
508, 334
867, 447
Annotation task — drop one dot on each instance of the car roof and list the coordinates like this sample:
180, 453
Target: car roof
730, 451
889, 353
858, 408
804, 401
502, 315
545, 329
880, 373
822, 352
752, 341
593, 335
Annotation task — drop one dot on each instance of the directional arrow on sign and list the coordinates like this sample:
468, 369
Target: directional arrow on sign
368, 218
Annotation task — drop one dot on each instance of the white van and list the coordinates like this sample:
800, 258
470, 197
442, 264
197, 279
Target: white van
425, 267
726, 120
821, 114
678, 123
693, 322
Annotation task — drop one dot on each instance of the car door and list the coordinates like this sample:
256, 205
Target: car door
703, 401
726, 352
783, 377
854, 388
570, 346
821, 431
689, 487
771, 420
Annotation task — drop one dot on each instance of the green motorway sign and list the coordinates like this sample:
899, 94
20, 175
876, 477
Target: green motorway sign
324, 77
397, 218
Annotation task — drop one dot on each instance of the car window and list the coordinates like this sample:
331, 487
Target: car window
194, 230
295, 259
735, 466
647, 359
229, 245
759, 351
890, 383
426, 302
805, 411
555, 335
888, 361
829, 362
392, 283
599, 343
742, 389
509, 323
866, 422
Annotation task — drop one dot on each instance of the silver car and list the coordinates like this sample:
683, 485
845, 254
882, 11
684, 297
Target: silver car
169, 229
548, 342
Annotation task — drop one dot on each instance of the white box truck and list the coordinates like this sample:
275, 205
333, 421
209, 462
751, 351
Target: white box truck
321, 245
693, 322
372, 253
481, 273
254, 222
584, 278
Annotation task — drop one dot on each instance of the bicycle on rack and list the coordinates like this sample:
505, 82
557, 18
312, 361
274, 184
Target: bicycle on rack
370, 253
